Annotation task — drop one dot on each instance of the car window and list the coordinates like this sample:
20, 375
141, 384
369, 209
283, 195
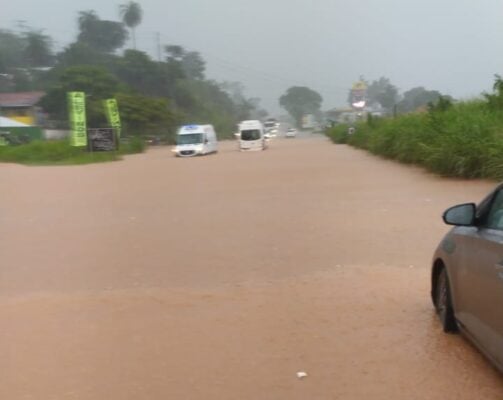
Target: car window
494, 218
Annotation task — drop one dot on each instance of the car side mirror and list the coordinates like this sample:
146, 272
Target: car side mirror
460, 215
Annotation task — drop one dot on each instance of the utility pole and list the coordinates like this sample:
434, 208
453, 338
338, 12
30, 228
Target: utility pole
158, 41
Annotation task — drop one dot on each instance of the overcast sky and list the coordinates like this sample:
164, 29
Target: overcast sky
454, 46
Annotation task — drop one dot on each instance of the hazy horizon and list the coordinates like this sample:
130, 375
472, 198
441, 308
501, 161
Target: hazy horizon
270, 46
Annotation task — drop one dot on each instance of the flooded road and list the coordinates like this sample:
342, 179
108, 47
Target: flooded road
223, 276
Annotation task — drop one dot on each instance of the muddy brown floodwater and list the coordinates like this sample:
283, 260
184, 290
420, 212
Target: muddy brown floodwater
223, 276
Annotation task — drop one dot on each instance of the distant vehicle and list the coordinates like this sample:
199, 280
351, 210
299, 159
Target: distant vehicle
271, 127
193, 140
291, 133
308, 121
252, 136
467, 274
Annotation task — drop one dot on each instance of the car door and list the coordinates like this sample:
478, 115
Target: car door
480, 280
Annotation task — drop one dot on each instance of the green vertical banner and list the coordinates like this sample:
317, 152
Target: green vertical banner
113, 116
77, 114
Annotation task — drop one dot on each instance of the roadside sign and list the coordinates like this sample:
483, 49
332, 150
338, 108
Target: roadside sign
77, 114
102, 139
113, 116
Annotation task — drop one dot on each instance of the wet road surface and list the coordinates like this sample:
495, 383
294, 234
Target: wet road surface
223, 276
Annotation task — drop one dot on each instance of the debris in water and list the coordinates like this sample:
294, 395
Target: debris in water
301, 374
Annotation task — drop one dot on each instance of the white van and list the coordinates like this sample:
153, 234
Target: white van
251, 136
193, 140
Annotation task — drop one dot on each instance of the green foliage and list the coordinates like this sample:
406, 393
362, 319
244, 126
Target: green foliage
102, 35
300, 100
416, 98
96, 82
80, 53
462, 140
37, 50
495, 100
61, 153
208, 103
145, 115
190, 63
154, 97
133, 146
19, 54
382, 92
442, 103
11, 51
338, 134
137, 70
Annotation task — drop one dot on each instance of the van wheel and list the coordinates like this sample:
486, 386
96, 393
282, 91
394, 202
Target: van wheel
443, 303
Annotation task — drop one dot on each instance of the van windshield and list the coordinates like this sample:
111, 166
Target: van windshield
250, 134
190, 138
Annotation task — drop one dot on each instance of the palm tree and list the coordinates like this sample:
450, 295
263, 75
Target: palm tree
131, 14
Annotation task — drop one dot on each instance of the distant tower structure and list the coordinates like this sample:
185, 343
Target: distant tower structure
359, 95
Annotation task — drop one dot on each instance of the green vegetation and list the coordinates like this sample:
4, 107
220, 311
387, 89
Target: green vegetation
300, 100
458, 140
154, 96
61, 153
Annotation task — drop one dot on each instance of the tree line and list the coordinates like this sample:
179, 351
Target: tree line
382, 94
154, 96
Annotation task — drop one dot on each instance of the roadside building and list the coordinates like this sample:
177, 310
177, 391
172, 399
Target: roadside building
22, 107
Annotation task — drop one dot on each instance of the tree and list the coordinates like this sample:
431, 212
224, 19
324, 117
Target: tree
300, 100
417, 97
244, 107
140, 113
103, 35
382, 92
175, 52
190, 62
96, 82
38, 51
193, 65
138, 70
80, 53
495, 100
131, 14
11, 51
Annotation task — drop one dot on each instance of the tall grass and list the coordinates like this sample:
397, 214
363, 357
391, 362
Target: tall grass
466, 140
61, 153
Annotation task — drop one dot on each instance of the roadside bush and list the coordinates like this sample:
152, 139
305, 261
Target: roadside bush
338, 134
461, 140
135, 145
61, 153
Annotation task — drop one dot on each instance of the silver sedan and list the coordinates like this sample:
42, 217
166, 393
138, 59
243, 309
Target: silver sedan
467, 274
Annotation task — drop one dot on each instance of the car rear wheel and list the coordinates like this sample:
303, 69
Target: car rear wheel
443, 303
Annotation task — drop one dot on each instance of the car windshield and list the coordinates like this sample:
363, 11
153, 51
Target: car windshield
190, 138
250, 134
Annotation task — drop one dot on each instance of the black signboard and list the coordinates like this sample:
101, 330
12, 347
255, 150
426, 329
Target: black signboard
102, 139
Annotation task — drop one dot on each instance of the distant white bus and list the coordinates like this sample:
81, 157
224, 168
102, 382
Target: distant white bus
193, 140
251, 136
